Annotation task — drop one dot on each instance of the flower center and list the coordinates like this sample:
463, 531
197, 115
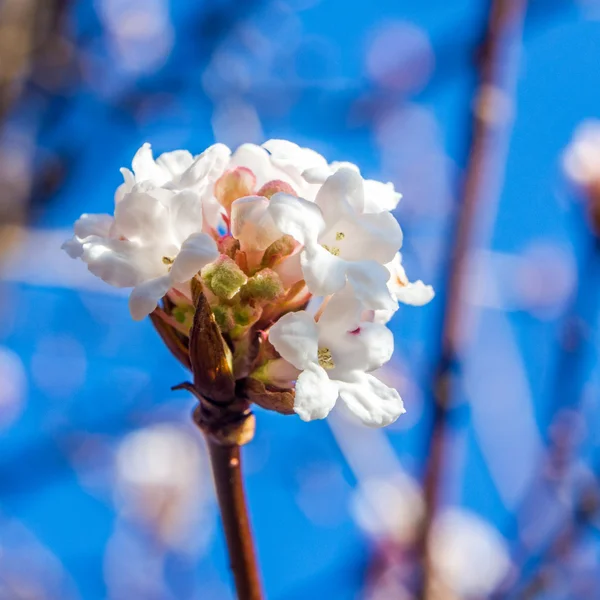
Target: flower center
325, 359
339, 236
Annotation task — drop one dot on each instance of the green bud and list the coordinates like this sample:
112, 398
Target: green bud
279, 249
264, 286
224, 278
244, 316
223, 317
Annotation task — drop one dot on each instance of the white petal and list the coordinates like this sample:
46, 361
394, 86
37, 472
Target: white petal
146, 169
366, 348
366, 237
316, 394
196, 252
256, 159
317, 175
380, 196
73, 247
341, 314
141, 216
293, 159
340, 195
252, 223
297, 217
175, 162
369, 281
185, 214
206, 168
323, 272
119, 262
88, 225
373, 402
126, 186
415, 294
145, 296
295, 337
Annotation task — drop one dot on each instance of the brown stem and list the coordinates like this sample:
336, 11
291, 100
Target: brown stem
488, 122
227, 474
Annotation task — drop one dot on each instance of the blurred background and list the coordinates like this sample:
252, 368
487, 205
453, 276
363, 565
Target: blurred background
468, 107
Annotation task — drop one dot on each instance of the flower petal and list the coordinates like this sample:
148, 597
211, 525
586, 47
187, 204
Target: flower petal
256, 159
366, 237
120, 262
415, 294
293, 159
369, 281
145, 296
206, 168
366, 348
341, 194
185, 214
373, 402
297, 217
196, 252
380, 196
252, 223
316, 394
295, 337
175, 162
88, 225
126, 186
141, 216
323, 272
146, 169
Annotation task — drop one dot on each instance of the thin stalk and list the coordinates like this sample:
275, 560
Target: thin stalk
227, 474
488, 125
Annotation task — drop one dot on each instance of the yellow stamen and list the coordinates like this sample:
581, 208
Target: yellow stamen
325, 359
332, 249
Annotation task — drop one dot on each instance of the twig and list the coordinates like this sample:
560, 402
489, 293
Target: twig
489, 119
227, 474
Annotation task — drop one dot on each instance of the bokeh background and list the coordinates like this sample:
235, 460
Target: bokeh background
105, 490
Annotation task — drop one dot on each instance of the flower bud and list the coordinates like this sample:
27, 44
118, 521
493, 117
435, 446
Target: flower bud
244, 316
272, 187
228, 246
210, 357
223, 317
234, 184
278, 250
264, 286
224, 278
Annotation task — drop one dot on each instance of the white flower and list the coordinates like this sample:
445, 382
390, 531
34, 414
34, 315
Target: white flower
379, 196
334, 357
581, 159
154, 242
468, 554
264, 230
341, 242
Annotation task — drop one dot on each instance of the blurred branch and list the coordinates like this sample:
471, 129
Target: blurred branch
504, 27
33, 56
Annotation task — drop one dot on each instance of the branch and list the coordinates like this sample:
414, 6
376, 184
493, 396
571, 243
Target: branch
489, 125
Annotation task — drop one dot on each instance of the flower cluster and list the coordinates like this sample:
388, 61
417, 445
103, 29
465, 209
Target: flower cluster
296, 258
